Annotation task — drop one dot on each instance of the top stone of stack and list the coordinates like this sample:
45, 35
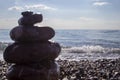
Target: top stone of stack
29, 19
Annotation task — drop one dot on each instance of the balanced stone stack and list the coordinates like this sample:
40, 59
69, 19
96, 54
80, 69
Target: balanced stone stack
32, 54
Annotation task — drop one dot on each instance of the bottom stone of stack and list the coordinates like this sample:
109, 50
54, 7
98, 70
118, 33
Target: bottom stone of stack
33, 72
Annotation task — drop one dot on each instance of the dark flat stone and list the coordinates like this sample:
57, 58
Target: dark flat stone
26, 72
31, 53
29, 18
32, 34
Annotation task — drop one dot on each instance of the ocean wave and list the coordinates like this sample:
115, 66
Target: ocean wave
91, 49
89, 52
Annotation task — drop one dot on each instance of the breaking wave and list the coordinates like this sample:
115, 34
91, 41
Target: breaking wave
91, 49
89, 52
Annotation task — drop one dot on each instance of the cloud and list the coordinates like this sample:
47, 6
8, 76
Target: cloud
39, 6
17, 8
100, 3
31, 7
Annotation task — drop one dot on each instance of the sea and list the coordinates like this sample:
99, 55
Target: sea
79, 44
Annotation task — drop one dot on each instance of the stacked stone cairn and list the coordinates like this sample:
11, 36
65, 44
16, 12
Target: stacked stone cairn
32, 54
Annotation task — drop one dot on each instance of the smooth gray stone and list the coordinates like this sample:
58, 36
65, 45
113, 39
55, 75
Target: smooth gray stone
25, 34
26, 72
25, 53
29, 18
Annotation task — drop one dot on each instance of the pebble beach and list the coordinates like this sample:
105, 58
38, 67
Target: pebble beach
102, 69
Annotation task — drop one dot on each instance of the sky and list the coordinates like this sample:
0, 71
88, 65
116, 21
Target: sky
64, 14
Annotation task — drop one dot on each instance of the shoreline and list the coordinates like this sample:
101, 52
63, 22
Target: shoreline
102, 69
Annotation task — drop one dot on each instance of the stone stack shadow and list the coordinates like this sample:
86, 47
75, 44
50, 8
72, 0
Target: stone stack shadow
32, 54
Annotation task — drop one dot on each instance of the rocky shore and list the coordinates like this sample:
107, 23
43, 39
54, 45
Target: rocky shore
103, 69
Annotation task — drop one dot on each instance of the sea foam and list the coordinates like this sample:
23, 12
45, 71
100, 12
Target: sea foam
89, 52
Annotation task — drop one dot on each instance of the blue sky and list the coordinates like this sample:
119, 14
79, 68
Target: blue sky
64, 14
